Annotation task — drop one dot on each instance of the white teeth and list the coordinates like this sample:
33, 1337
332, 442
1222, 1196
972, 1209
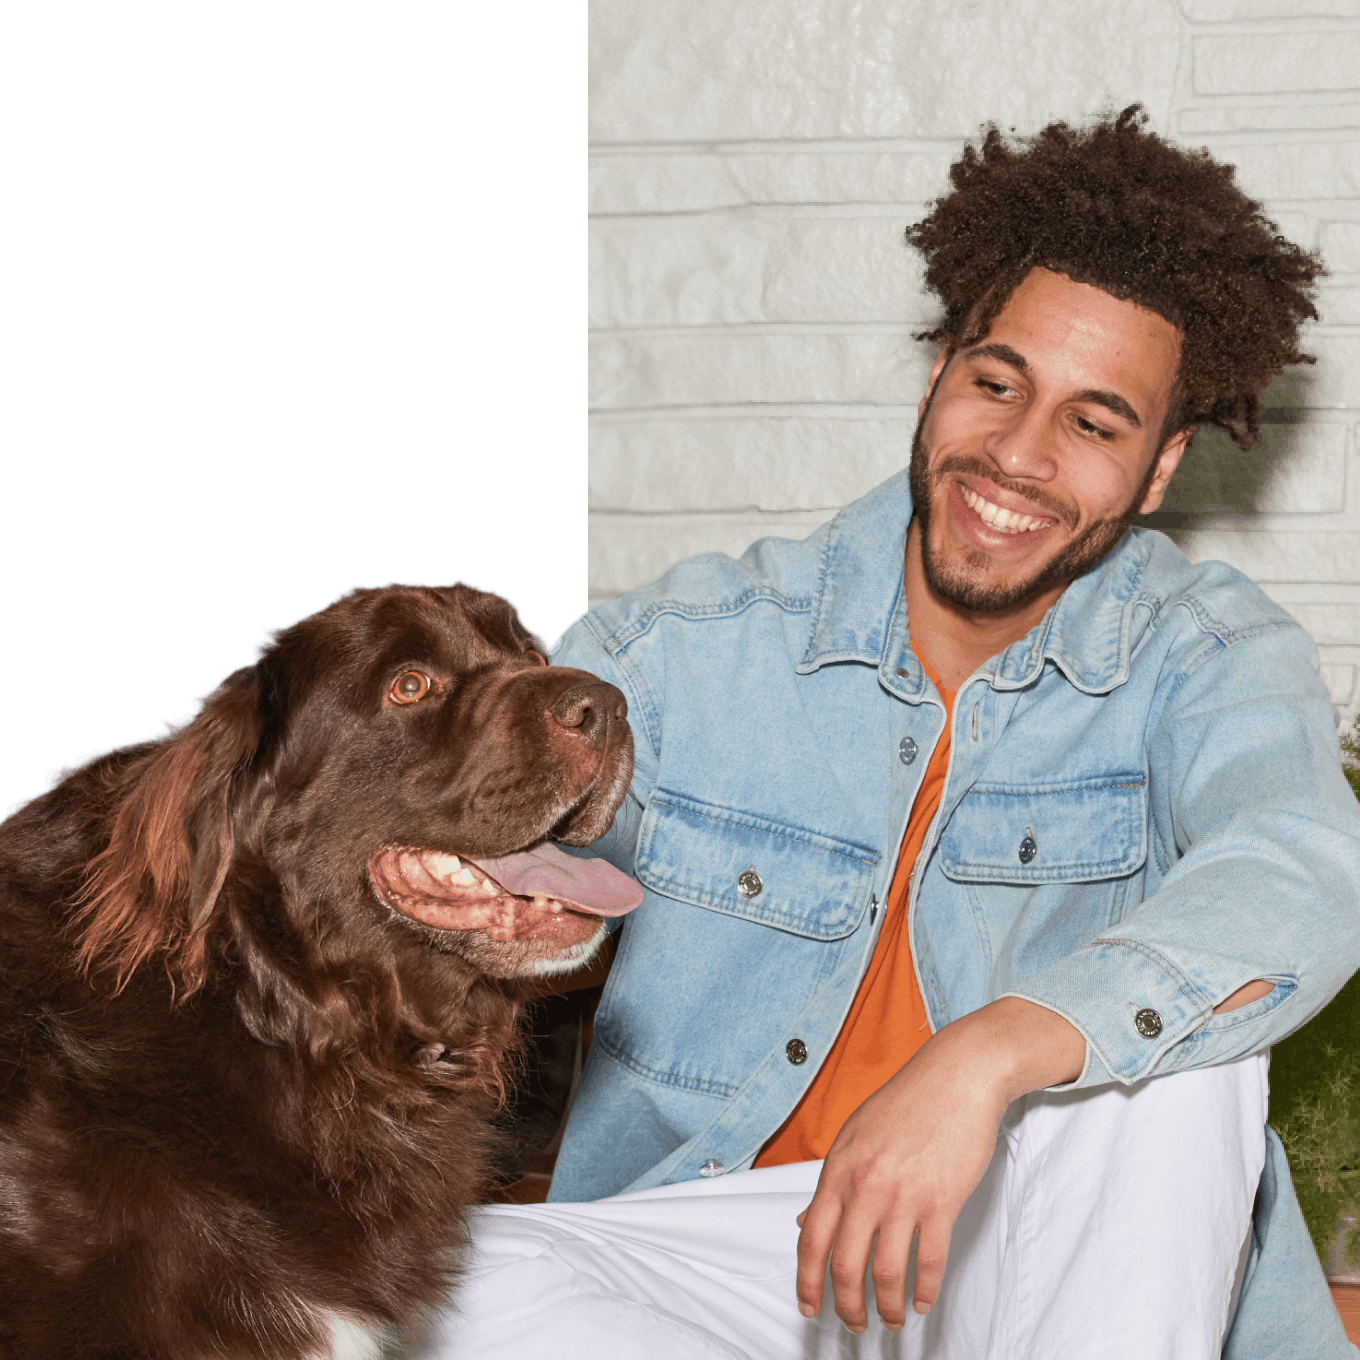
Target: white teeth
1007, 521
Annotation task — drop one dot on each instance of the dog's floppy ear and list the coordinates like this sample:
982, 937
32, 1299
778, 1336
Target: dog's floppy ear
153, 888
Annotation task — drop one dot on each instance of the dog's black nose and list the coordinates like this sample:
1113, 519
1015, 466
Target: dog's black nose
588, 709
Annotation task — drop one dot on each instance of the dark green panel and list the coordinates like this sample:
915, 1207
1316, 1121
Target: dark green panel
291, 303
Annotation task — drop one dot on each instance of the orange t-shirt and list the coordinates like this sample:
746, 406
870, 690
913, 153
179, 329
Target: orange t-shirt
887, 1021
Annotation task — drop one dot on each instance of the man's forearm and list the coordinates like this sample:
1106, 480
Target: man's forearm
1036, 1047
1021, 1045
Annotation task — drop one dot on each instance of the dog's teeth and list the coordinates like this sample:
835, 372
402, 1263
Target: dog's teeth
557, 906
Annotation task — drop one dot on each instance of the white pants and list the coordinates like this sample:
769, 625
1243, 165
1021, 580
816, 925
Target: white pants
1110, 1223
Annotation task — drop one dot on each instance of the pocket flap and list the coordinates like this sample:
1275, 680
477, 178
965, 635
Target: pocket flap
747, 866
1074, 832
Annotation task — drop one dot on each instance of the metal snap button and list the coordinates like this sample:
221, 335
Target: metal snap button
712, 1167
1149, 1023
1029, 847
748, 883
906, 750
796, 1052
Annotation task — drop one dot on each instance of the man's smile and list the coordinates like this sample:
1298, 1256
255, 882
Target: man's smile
1002, 520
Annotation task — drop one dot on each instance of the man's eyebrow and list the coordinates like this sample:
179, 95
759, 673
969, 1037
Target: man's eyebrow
1112, 401
1002, 354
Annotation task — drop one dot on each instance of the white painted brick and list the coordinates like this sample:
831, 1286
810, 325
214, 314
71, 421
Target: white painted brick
1294, 170
1329, 623
1289, 593
725, 269
1340, 681
1295, 226
717, 368
1295, 469
629, 550
1334, 381
1339, 306
686, 181
1273, 63
1268, 118
1340, 246
730, 70
1268, 555
1213, 11
772, 463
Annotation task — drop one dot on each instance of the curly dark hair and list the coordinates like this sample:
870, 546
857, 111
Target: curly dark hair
1115, 206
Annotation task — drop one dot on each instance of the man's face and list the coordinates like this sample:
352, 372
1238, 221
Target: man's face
1037, 445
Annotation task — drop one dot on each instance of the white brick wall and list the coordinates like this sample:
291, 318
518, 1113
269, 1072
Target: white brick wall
753, 165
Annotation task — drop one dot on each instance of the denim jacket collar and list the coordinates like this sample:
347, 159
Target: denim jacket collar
859, 610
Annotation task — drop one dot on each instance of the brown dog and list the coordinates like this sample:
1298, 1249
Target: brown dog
257, 981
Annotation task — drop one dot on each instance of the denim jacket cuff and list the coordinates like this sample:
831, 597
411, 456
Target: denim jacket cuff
1132, 1006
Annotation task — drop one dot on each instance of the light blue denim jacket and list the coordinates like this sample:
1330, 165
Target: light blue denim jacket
1143, 811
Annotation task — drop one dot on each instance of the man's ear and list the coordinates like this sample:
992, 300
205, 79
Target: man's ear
1166, 463
936, 369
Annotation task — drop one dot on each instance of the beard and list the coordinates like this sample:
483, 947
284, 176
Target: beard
965, 582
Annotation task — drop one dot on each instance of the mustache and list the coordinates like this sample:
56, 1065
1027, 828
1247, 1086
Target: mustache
977, 467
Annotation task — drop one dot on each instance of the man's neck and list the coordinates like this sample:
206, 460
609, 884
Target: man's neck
957, 641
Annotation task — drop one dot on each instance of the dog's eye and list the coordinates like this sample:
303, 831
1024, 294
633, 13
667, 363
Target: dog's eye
410, 687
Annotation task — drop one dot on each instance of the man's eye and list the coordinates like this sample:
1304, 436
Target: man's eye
1090, 428
998, 389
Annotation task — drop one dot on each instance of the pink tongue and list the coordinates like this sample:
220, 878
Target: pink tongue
590, 885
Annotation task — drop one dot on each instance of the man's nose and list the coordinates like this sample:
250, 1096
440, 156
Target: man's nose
1022, 445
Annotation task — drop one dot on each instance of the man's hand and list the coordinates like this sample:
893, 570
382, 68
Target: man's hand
907, 1160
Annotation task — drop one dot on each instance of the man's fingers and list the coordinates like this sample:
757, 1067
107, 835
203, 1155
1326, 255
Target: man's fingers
849, 1265
818, 1222
932, 1251
889, 1274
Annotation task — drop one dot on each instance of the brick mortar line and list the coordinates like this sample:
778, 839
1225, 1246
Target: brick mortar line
1275, 26
1194, 101
846, 210
757, 328
700, 412
943, 146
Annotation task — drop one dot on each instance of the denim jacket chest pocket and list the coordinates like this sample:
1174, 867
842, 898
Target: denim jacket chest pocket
1073, 831
1043, 869
755, 868
744, 919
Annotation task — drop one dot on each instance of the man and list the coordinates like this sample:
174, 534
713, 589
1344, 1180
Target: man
1036, 806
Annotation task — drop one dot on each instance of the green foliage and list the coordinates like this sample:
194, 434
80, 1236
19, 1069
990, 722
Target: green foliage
1321, 1136
1350, 757
1315, 1097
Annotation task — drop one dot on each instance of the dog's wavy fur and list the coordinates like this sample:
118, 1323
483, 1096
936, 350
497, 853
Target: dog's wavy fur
237, 1093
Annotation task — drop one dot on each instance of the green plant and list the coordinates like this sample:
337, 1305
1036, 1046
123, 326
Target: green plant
1315, 1096
1350, 757
1321, 1136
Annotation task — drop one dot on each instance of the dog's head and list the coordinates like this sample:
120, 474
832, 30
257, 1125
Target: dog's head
373, 783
